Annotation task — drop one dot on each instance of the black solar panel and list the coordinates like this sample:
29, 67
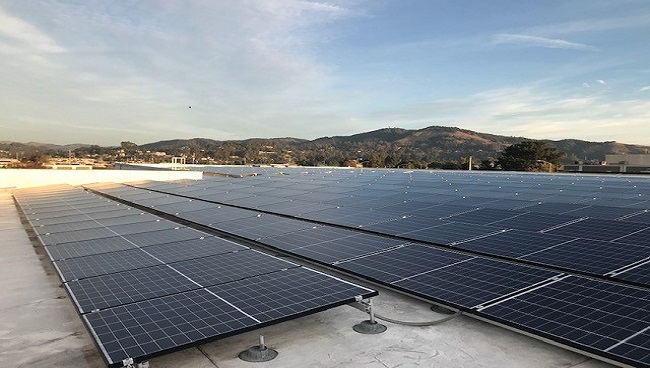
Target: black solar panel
75, 236
345, 248
126, 287
88, 247
189, 249
154, 326
402, 262
513, 243
165, 236
639, 274
288, 293
226, 267
592, 256
143, 227
590, 314
451, 233
100, 264
535, 221
483, 216
473, 282
599, 229
67, 226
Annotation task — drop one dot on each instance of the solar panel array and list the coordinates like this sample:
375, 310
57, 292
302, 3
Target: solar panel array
145, 286
532, 251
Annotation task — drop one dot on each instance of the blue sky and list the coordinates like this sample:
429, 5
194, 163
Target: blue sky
105, 71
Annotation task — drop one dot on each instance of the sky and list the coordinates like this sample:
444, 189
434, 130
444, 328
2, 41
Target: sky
106, 71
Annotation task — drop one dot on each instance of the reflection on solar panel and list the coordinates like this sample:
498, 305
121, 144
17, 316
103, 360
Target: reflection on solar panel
142, 287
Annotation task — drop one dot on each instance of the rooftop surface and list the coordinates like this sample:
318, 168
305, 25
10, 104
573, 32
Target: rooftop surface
40, 328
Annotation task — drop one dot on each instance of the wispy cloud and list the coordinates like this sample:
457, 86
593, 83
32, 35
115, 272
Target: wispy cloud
536, 41
646, 88
18, 36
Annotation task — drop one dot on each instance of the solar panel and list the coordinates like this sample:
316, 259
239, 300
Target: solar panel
100, 264
483, 216
165, 236
151, 327
592, 256
289, 293
603, 212
67, 226
402, 262
640, 274
189, 249
473, 282
101, 292
534, 221
641, 237
451, 233
589, 314
75, 236
599, 229
514, 243
346, 247
226, 267
409, 205
143, 227
88, 247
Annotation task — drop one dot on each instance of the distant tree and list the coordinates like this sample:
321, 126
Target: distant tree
530, 156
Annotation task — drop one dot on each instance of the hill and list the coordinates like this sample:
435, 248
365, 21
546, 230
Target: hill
434, 146
388, 146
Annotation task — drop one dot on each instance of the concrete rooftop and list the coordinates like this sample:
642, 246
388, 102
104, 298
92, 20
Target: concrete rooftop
39, 327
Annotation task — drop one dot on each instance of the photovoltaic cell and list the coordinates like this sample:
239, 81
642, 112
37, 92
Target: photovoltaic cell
67, 226
513, 243
126, 287
483, 216
473, 282
100, 264
157, 325
599, 229
165, 236
400, 263
602, 212
347, 247
451, 232
639, 274
589, 314
88, 247
534, 221
143, 227
75, 236
222, 268
288, 293
641, 237
189, 249
597, 257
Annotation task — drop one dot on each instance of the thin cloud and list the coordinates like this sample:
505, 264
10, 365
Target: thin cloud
646, 88
536, 41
